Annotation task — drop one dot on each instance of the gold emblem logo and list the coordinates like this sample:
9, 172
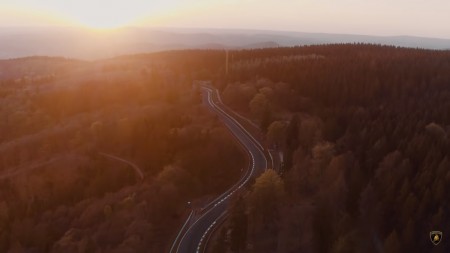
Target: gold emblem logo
436, 237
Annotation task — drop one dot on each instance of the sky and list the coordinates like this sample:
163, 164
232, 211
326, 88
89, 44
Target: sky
428, 18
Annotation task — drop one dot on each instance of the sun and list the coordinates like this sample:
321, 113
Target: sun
103, 14
101, 25
104, 22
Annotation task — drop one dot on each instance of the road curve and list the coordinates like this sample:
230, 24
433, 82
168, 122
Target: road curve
192, 238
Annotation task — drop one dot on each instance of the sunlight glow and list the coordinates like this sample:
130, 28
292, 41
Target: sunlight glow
109, 22
382, 17
98, 14
104, 15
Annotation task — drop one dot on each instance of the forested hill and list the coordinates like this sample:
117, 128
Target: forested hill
68, 126
365, 133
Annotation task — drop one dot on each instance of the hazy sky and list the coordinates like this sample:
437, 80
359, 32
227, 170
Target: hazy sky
429, 18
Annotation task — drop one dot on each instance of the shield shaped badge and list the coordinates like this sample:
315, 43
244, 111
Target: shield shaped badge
436, 237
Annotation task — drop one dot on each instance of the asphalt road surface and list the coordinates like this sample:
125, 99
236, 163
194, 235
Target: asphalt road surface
193, 234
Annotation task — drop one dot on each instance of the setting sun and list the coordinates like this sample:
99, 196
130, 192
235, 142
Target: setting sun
109, 21
218, 126
305, 15
99, 14
111, 15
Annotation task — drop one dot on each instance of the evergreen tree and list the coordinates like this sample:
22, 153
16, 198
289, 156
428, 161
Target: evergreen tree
238, 226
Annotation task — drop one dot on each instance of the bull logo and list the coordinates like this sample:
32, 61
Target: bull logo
436, 237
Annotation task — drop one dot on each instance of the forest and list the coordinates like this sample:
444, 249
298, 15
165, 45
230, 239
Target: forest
364, 132
59, 192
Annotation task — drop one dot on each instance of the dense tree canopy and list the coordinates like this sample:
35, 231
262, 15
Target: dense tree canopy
363, 130
58, 193
367, 142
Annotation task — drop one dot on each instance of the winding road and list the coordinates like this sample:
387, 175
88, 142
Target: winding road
192, 237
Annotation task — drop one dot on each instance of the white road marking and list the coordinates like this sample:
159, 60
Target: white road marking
237, 186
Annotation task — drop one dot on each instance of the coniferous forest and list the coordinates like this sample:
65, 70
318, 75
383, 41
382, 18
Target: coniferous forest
363, 131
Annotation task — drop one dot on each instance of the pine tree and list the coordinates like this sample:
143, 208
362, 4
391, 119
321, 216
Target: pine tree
238, 226
220, 245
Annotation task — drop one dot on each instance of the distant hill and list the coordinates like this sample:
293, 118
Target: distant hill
85, 44
267, 44
35, 67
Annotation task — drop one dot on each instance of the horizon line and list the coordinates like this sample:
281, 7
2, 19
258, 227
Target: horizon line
218, 29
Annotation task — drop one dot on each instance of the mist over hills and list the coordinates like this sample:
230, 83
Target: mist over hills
84, 44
